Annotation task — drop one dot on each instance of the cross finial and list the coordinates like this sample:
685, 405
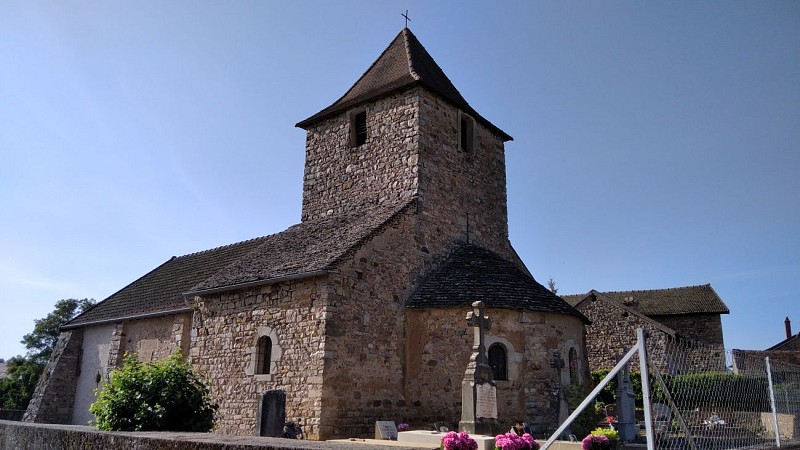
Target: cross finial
407, 19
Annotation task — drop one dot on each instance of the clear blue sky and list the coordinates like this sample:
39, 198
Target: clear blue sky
656, 144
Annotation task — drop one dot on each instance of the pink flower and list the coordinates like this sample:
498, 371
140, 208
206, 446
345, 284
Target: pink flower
510, 441
458, 441
592, 442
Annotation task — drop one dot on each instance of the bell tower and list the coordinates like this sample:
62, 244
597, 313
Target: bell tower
404, 132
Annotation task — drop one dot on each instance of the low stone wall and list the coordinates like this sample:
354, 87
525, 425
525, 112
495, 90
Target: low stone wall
23, 436
11, 414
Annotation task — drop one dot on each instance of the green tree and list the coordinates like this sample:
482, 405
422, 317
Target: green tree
43, 338
17, 389
24, 371
159, 396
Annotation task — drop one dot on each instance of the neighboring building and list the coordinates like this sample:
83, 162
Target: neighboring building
786, 351
356, 314
3, 370
690, 314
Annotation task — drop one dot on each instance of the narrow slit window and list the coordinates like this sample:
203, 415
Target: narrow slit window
573, 366
360, 128
465, 133
264, 355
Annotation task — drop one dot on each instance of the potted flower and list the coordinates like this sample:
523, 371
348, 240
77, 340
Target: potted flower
403, 427
458, 441
512, 441
596, 442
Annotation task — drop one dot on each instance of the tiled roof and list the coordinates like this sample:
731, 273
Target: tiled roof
404, 63
666, 302
305, 248
789, 343
472, 273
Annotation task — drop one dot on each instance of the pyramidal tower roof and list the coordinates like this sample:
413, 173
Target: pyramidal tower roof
404, 63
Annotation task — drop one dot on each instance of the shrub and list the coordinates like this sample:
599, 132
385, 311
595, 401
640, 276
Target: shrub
718, 390
159, 396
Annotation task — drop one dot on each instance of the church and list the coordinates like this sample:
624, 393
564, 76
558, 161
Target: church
357, 313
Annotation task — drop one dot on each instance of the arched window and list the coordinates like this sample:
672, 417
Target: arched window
498, 362
573, 366
264, 355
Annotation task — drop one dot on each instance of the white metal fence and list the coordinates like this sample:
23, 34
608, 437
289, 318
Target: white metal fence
698, 397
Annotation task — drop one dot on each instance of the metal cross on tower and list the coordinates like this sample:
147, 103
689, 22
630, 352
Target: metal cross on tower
407, 19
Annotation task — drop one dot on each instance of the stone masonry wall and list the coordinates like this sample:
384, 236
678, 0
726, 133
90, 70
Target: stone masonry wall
16, 436
705, 328
154, 339
341, 178
613, 332
55, 392
364, 371
438, 347
225, 332
462, 194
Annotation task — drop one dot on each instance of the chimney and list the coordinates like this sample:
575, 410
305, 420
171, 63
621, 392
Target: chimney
788, 324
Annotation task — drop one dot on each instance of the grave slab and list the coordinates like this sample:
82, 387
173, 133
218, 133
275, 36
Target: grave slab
434, 438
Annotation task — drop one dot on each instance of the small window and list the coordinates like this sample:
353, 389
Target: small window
573, 366
498, 362
466, 129
358, 127
264, 355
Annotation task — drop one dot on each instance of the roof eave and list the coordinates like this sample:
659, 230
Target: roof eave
256, 283
71, 326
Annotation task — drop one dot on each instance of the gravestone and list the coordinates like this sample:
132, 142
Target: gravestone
272, 413
626, 407
478, 391
385, 429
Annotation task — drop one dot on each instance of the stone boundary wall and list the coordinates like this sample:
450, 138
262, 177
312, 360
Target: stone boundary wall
11, 414
17, 435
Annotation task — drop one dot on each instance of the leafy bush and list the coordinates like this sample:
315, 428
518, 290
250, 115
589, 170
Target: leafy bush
609, 393
159, 396
720, 389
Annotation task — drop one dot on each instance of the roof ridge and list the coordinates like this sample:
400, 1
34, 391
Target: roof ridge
406, 41
377, 229
213, 249
374, 63
653, 290
667, 329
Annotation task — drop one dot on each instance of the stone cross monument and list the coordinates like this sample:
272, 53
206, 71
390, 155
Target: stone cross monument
626, 407
478, 391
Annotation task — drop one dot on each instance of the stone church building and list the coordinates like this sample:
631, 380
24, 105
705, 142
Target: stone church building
357, 313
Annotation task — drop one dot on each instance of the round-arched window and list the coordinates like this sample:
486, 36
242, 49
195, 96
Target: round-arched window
573, 366
498, 361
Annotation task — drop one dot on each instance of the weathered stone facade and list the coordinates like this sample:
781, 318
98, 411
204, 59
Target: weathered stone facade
705, 328
226, 330
613, 332
438, 344
340, 178
345, 347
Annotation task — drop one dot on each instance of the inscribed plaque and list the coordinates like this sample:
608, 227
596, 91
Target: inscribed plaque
485, 401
